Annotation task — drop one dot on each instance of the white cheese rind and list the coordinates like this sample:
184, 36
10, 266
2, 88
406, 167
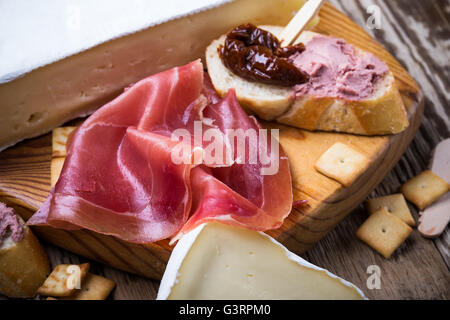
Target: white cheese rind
171, 276
77, 85
64, 28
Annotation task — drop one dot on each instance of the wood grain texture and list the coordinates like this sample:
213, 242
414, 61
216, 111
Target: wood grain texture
418, 269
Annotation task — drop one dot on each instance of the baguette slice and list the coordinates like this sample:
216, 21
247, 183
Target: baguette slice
383, 113
24, 266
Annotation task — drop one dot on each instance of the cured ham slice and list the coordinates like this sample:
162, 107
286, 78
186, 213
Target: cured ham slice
239, 194
119, 177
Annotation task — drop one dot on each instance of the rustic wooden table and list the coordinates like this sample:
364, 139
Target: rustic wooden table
417, 33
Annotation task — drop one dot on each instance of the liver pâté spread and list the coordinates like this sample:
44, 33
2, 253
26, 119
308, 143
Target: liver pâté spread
10, 226
336, 71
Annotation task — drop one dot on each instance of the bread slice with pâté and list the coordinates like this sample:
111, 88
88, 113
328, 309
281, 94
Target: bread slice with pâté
381, 113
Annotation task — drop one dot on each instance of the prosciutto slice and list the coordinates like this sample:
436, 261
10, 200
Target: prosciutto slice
119, 177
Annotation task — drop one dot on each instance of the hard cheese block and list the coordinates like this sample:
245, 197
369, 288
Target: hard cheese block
80, 55
216, 261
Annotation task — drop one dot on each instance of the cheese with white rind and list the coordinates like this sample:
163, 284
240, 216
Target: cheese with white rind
64, 70
220, 262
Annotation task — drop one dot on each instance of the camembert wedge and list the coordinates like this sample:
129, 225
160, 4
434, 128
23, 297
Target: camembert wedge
220, 262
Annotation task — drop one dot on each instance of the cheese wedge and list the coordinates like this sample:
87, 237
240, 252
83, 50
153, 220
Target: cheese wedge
80, 55
220, 262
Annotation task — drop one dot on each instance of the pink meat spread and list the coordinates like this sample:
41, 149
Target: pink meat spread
336, 71
9, 225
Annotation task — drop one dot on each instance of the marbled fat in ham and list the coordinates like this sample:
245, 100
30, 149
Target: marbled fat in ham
119, 178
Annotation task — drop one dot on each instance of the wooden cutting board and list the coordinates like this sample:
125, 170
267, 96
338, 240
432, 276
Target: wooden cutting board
25, 175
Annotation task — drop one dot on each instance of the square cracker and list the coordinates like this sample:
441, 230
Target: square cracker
59, 140
63, 280
55, 169
424, 189
342, 163
384, 232
394, 204
94, 288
